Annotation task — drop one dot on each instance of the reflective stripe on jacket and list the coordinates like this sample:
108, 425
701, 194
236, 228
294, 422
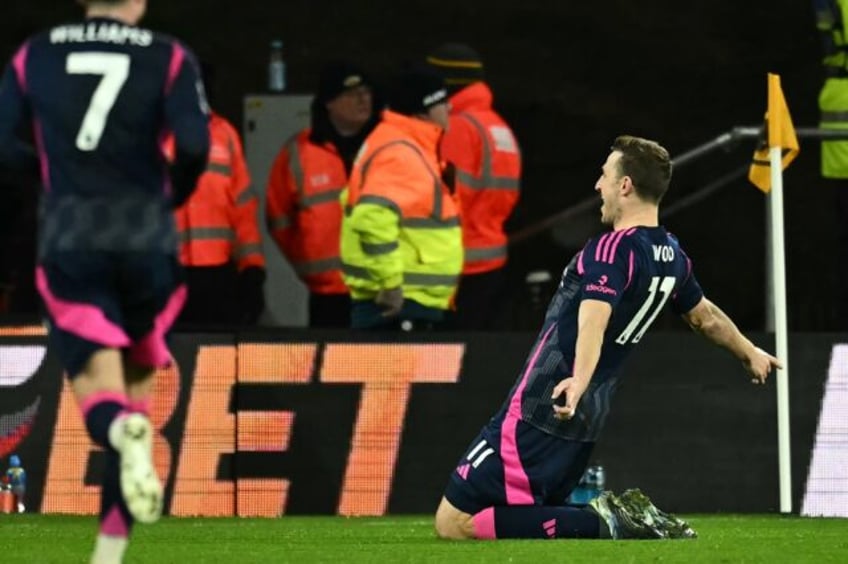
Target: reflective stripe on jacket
833, 98
218, 223
303, 211
401, 224
488, 171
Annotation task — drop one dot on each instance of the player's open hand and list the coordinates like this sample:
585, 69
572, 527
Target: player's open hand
759, 364
566, 396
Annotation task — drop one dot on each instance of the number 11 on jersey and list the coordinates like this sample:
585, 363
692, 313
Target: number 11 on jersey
665, 285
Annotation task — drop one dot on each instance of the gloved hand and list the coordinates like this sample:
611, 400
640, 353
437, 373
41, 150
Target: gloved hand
250, 294
390, 301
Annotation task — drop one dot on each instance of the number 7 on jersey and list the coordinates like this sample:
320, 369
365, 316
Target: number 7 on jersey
114, 68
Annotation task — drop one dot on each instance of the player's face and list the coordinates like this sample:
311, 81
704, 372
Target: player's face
608, 187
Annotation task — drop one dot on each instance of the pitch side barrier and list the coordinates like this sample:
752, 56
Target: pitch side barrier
300, 422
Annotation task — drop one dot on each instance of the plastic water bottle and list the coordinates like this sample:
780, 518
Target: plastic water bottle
276, 67
16, 479
600, 479
591, 485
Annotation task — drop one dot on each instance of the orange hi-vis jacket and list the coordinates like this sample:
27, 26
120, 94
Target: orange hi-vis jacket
488, 171
303, 210
218, 223
401, 224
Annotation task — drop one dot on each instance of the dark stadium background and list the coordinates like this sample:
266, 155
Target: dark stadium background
569, 76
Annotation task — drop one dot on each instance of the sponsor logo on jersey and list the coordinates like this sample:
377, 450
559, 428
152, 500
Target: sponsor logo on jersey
597, 288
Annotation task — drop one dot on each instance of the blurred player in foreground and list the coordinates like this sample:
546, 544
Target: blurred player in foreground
514, 478
101, 94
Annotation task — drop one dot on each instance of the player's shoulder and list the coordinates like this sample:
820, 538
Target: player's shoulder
172, 42
35, 41
674, 241
609, 246
173, 48
672, 238
171, 53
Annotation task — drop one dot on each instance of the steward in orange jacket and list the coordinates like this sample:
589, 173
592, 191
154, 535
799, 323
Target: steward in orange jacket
220, 243
487, 158
401, 243
303, 210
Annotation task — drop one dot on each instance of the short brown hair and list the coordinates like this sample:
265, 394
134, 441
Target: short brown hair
647, 164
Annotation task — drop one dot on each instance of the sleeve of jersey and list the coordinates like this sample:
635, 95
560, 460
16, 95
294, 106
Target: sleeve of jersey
689, 292
186, 112
606, 264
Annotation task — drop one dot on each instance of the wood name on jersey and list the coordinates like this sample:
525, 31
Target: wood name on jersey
663, 253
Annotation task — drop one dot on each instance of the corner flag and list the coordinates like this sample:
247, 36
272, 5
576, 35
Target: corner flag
766, 173
779, 133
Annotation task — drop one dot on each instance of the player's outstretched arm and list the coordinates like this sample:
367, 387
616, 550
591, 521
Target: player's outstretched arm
707, 319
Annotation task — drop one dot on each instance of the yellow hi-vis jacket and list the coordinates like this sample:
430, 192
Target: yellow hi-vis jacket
833, 97
401, 224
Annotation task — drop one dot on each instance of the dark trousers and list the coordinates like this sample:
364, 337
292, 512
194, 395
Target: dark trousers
367, 315
479, 300
329, 311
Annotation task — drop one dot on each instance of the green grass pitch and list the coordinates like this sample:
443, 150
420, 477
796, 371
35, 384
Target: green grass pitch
723, 538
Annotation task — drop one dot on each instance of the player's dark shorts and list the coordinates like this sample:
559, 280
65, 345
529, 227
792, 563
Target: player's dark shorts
514, 463
98, 300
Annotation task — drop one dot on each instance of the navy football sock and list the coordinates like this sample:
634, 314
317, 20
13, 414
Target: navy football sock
536, 522
115, 518
99, 410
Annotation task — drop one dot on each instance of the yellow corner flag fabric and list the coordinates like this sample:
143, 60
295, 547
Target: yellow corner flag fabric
779, 133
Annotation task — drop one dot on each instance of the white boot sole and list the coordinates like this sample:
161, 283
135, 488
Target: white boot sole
140, 485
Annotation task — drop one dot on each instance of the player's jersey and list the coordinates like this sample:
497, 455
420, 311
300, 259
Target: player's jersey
101, 96
637, 271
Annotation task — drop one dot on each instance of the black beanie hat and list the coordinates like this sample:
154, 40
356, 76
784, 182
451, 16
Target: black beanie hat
417, 89
459, 64
338, 76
